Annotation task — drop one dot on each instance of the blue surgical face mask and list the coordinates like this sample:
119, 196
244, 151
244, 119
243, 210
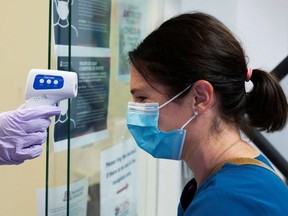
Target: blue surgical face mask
142, 122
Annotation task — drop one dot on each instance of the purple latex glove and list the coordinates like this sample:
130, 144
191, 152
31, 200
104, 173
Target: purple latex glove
23, 131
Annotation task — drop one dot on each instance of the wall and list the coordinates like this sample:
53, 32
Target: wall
264, 31
23, 42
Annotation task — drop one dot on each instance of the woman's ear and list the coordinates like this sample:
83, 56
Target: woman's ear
203, 93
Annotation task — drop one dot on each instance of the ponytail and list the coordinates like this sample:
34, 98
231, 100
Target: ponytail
266, 104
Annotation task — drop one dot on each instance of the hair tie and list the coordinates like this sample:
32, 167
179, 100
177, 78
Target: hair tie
249, 74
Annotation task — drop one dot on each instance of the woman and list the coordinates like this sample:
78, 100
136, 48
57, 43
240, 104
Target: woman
188, 87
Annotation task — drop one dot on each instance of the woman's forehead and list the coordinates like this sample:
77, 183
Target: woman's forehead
139, 83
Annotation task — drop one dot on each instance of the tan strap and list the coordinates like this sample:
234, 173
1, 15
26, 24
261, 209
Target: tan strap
243, 161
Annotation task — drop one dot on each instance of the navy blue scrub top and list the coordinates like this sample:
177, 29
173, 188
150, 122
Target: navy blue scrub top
236, 190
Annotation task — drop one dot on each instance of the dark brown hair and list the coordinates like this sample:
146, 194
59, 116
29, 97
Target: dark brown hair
197, 46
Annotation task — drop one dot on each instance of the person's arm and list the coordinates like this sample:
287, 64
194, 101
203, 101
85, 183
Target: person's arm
23, 131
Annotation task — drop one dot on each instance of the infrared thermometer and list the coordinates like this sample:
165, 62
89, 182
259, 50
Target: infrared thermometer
48, 87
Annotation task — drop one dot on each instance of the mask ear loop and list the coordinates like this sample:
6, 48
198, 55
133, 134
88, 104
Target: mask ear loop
194, 116
173, 98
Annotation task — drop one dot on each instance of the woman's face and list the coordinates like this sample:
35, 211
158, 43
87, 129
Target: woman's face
172, 116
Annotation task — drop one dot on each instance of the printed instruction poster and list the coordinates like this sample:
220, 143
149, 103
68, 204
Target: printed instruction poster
89, 110
131, 30
90, 58
57, 199
118, 180
90, 22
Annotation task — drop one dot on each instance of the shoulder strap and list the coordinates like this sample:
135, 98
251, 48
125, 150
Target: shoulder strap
243, 161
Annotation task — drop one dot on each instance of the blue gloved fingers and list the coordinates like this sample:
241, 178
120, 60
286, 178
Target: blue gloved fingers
30, 152
23, 131
43, 111
5, 157
37, 138
35, 125
30, 146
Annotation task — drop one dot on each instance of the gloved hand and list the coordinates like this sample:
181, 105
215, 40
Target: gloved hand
23, 131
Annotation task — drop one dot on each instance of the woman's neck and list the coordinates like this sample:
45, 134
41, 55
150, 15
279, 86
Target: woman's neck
204, 155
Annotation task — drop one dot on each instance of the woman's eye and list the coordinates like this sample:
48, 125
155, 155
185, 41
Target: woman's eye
140, 98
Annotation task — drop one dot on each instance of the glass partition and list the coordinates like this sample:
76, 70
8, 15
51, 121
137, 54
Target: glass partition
93, 164
90, 165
